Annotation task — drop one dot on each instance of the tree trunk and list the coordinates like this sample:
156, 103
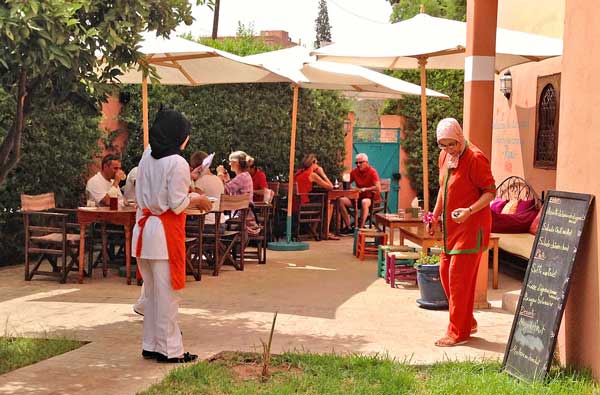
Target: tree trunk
216, 20
10, 150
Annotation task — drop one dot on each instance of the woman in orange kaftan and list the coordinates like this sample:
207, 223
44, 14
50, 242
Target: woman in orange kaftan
466, 189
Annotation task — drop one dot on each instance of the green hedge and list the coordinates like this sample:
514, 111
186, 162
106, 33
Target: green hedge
450, 82
255, 118
59, 143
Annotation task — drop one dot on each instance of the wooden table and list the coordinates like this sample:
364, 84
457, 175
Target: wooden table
393, 222
123, 216
419, 235
332, 197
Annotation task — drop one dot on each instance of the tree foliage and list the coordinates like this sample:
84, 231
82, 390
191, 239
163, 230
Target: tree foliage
53, 50
322, 25
60, 141
245, 42
450, 82
449, 9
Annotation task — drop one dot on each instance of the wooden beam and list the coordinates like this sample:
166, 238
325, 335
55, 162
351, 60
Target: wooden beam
183, 71
182, 57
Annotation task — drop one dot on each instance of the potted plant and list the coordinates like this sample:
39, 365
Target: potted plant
430, 284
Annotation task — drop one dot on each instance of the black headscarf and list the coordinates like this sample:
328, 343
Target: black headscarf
169, 131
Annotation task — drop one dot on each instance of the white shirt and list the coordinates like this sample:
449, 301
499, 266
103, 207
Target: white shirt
161, 185
213, 187
97, 187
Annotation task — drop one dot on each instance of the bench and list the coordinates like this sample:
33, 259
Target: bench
515, 248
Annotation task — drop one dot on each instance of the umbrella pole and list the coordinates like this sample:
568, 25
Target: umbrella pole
288, 221
145, 110
288, 245
422, 63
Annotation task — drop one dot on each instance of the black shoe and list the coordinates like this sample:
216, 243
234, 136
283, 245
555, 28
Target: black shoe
187, 357
150, 354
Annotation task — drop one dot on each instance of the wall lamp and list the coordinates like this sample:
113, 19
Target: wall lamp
506, 84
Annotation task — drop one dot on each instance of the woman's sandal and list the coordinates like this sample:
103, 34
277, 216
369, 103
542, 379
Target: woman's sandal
187, 357
447, 341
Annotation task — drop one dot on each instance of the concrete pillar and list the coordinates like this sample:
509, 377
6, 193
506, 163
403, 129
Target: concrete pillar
479, 72
479, 94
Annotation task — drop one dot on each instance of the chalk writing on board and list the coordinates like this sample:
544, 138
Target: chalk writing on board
545, 287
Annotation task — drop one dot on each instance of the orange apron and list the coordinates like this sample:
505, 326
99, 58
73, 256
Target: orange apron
174, 225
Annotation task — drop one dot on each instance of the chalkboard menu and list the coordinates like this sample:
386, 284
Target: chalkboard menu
546, 285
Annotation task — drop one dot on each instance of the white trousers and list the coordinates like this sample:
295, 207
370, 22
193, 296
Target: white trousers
161, 331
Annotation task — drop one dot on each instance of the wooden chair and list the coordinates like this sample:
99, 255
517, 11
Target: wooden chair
256, 247
218, 246
310, 213
275, 229
47, 236
193, 250
382, 205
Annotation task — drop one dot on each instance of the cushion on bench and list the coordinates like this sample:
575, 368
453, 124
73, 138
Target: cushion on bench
516, 243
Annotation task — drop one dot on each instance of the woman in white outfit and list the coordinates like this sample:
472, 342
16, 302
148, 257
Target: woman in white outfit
162, 186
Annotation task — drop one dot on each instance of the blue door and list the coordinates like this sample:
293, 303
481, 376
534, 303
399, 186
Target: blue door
383, 156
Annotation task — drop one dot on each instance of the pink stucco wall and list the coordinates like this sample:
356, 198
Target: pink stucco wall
578, 154
513, 137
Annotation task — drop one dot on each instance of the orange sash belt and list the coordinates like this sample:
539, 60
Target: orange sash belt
174, 226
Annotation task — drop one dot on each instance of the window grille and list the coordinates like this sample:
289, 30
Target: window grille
546, 136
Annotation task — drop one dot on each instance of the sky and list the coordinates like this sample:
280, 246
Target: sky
297, 17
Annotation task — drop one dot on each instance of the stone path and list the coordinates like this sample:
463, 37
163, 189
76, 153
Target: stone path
327, 301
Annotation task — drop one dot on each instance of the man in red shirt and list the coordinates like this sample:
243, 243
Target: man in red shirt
367, 180
259, 178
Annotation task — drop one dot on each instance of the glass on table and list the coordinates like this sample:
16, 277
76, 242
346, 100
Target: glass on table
401, 212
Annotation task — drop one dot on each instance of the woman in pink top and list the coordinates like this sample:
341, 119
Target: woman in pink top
242, 182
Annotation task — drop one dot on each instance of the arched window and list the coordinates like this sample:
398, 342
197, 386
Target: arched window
546, 131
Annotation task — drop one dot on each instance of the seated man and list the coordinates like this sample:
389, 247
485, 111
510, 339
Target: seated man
110, 175
367, 180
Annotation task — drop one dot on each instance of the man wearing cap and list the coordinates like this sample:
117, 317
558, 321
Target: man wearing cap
367, 180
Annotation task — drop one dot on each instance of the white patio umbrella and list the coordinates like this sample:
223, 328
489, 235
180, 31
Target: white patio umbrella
183, 62
331, 76
434, 43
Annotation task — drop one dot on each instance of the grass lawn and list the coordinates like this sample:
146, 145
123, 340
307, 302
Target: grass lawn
16, 352
237, 374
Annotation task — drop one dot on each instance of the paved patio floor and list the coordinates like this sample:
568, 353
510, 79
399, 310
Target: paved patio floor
327, 301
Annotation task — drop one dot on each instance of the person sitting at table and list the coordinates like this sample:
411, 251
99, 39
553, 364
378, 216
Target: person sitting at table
162, 194
311, 173
129, 188
467, 187
367, 180
259, 178
240, 184
208, 184
98, 187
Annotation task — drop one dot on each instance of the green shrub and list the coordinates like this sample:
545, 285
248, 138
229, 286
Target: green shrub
59, 143
450, 82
